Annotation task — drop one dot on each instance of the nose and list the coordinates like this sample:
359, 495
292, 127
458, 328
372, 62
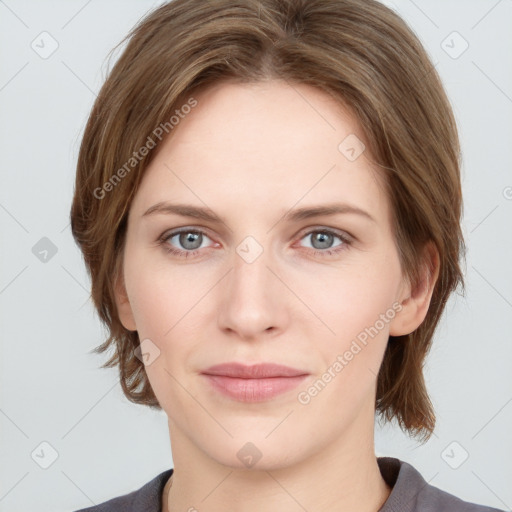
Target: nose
253, 299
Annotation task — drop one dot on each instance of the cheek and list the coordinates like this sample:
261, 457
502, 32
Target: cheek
358, 308
164, 313
160, 294
168, 307
152, 307
350, 360
352, 299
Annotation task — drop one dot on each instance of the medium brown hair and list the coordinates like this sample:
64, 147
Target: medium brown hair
359, 52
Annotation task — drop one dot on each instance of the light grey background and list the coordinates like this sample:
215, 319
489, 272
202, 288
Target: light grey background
52, 390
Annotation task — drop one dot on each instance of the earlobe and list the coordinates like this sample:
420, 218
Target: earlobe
124, 308
415, 301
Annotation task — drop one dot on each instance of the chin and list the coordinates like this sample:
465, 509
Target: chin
254, 453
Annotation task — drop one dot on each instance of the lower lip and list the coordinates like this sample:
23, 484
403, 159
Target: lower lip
253, 390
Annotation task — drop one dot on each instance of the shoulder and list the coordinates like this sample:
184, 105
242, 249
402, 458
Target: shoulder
411, 493
147, 498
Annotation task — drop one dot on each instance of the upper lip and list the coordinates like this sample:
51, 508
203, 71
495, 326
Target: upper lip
256, 371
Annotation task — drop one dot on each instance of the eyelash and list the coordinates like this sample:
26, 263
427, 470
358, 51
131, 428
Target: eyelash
163, 241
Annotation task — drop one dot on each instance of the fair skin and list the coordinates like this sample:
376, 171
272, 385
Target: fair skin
252, 153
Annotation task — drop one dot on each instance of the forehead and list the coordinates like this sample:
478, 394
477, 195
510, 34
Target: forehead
261, 144
273, 115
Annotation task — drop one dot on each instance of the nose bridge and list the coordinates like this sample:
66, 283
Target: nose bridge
250, 276
251, 304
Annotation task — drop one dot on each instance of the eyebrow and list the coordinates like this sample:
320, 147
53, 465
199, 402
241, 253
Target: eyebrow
295, 215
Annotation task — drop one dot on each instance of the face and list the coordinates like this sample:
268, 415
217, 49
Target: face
258, 282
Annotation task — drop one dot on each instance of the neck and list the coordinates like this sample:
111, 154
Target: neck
343, 476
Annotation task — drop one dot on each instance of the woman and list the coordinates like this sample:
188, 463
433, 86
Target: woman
268, 202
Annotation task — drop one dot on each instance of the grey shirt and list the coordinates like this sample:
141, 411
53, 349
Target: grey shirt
410, 493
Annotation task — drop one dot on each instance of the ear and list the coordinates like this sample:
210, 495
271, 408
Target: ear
124, 308
416, 301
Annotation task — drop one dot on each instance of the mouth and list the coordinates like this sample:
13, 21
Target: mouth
256, 383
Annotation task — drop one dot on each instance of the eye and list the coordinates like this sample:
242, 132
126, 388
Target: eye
322, 241
189, 241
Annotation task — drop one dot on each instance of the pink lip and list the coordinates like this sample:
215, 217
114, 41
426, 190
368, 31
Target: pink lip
255, 383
